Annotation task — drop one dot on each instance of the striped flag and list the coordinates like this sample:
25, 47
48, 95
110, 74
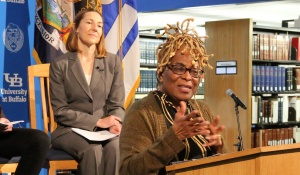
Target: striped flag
121, 31
54, 21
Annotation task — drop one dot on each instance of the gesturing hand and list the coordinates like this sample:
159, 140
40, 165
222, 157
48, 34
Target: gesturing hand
214, 139
186, 126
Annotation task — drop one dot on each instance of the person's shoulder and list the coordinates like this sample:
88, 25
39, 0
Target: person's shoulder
65, 56
109, 54
140, 103
63, 61
146, 102
144, 109
112, 57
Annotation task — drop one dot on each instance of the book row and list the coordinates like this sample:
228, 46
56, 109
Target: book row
266, 78
148, 82
281, 109
148, 50
267, 46
272, 137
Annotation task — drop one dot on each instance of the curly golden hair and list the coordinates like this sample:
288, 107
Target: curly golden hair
177, 36
181, 35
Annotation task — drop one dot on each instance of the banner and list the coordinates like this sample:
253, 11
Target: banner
14, 59
54, 19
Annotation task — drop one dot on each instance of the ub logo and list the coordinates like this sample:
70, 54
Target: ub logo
13, 38
14, 81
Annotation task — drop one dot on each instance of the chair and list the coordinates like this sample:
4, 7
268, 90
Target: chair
57, 159
8, 165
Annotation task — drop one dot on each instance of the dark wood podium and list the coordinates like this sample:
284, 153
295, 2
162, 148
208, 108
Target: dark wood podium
269, 160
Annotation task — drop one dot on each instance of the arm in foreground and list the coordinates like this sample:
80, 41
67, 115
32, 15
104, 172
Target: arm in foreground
145, 147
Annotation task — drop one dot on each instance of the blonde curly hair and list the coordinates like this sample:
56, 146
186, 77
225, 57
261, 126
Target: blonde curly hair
181, 35
176, 37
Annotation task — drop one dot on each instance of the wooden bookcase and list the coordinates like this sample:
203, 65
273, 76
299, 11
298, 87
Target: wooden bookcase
232, 40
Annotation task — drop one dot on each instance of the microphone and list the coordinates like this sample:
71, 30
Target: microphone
235, 98
98, 68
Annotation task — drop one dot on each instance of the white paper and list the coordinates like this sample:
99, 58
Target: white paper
94, 135
4, 125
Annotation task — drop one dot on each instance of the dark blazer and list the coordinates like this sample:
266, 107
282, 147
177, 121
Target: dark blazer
75, 104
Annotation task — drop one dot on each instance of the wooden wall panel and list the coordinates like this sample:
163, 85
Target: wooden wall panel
230, 40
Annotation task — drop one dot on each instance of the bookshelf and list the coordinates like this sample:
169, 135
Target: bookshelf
235, 40
148, 45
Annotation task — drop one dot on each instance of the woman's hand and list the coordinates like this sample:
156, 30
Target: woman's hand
9, 127
116, 129
214, 139
186, 126
112, 122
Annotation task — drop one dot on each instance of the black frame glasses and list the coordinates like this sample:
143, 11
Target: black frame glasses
180, 69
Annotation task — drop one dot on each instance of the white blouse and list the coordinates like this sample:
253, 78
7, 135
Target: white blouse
88, 78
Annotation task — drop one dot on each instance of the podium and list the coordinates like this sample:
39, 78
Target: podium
269, 160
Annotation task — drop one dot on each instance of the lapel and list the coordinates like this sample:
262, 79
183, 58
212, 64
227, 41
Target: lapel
98, 73
78, 73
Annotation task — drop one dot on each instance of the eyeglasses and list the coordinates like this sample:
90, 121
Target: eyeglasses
180, 69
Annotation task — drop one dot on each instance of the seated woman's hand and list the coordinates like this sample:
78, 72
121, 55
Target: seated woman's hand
108, 121
9, 127
116, 129
186, 126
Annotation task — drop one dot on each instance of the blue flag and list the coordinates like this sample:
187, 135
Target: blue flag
121, 31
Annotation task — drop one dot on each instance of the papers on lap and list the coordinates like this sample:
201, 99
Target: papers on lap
4, 125
94, 135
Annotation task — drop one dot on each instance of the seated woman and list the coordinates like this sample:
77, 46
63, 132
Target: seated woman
167, 125
32, 145
96, 102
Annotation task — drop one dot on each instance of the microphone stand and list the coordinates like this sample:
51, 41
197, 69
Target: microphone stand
239, 145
